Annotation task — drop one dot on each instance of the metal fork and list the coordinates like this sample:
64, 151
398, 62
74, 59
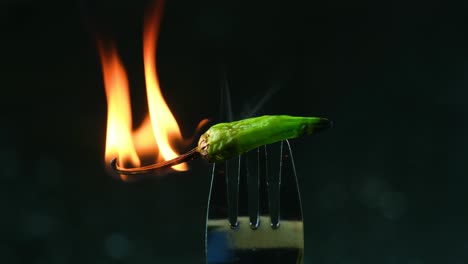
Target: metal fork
254, 208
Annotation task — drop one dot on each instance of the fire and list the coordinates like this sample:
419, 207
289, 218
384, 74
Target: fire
159, 131
163, 122
119, 142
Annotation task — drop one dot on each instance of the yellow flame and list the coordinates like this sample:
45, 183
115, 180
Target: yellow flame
158, 132
119, 141
163, 122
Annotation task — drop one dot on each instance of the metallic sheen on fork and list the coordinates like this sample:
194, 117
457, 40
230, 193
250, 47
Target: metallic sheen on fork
248, 220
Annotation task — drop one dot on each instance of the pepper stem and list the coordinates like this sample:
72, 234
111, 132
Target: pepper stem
188, 156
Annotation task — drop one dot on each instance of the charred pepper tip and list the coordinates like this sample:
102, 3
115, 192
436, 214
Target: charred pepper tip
321, 124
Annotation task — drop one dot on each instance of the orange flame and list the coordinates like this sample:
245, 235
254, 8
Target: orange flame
158, 131
119, 141
163, 122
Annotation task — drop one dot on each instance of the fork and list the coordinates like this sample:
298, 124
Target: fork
254, 208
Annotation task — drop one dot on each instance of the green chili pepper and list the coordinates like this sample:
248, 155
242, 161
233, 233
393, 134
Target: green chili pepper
227, 140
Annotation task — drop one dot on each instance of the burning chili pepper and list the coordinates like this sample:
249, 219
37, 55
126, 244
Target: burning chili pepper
227, 140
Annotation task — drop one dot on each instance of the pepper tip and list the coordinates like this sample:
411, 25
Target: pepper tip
323, 124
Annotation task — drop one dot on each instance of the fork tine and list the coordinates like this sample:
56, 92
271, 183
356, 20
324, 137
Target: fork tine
273, 178
217, 242
232, 172
291, 208
250, 171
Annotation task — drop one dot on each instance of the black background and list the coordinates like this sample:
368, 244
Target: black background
386, 185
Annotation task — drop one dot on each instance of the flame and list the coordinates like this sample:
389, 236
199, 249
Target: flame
163, 122
159, 131
119, 142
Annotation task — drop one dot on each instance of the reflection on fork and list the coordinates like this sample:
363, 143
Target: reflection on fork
254, 208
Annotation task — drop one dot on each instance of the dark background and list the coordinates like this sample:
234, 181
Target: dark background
386, 185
